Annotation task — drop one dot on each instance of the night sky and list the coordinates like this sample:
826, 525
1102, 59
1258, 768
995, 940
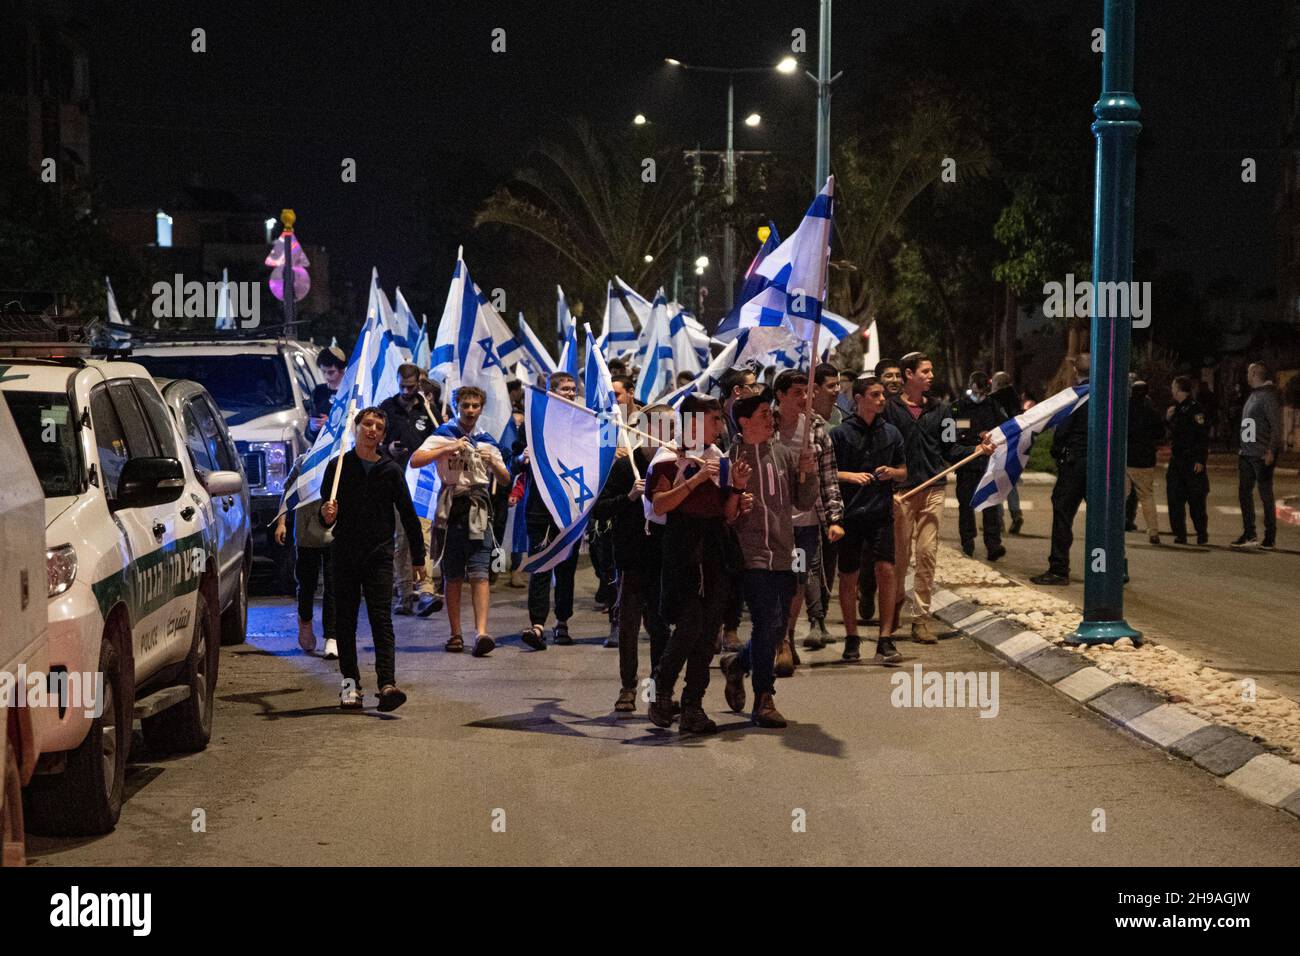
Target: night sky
433, 118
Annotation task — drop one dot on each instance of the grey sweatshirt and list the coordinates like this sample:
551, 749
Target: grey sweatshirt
766, 532
1264, 408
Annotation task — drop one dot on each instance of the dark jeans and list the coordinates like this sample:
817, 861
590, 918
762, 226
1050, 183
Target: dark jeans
695, 584
638, 600
310, 563
1069, 492
1186, 488
371, 577
539, 585
600, 546
769, 594
967, 482
735, 606
809, 537
1250, 472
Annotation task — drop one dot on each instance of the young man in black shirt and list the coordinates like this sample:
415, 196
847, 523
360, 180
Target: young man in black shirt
372, 489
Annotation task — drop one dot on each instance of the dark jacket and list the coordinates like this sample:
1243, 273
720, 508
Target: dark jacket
1008, 400
1264, 408
1070, 438
974, 417
923, 439
863, 447
410, 428
1190, 428
1145, 431
365, 523
637, 542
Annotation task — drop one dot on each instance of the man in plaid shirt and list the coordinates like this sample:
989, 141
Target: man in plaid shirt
826, 515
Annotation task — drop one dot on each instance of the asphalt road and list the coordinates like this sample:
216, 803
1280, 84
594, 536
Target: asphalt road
1235, 610
528, 740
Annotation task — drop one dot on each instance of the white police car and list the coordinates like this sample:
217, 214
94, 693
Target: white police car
132, 579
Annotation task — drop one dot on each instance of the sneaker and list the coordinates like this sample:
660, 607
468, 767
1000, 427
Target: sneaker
734, 691
306, 636
612, 640
1268, 544
886, 652
350, 699
518, 579
1202, 539
731, 641
816, 638
331, 649
696, 721
626, 703
428, 604
968, 549
1049, 578
404, 608
1181, 539
391, 697
534, 637
483, 646
1017, 522
1154, 539
561, 634
921, 632
998, 553
852, 648
765, 713
1245, 542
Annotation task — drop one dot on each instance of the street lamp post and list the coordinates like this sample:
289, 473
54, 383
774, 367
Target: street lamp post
823, 97
729, 197
1116, 129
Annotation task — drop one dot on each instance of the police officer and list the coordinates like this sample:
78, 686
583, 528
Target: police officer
976, 413
1070, 449
1187, 480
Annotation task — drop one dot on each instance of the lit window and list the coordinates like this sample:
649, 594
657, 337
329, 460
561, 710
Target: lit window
164, 230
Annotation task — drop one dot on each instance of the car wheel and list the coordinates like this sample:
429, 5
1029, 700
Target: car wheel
186, 727
234, 622
86, 798
13, 845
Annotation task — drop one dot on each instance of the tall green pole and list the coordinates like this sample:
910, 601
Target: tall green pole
1116, 129
824, 81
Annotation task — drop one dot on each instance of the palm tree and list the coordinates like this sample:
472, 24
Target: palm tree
602, 205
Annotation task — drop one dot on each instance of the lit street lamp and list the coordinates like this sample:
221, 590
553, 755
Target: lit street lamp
753, 119
639, 119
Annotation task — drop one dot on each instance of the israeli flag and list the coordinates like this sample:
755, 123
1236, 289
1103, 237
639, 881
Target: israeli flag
657, 361
1014, 438
696, 334
420, 350
708, 383
569, 465
355, 391
568, 333
406, 331
533, 354
225, 314
598, 389
626, 314
475, 347
729, 327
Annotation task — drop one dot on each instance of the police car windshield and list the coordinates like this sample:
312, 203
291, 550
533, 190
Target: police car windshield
45, 424
239, 383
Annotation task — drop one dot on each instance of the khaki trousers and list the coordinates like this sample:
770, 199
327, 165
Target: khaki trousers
1142, 479
916, 528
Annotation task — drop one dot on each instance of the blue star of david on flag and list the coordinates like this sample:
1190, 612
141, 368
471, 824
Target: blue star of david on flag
489, 354
583, 494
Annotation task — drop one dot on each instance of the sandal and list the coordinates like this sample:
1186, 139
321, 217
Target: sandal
483, 646
455, 644
534, 637
626, 702
391, 697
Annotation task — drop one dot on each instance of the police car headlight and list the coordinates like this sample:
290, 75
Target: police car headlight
60, 568
277, 457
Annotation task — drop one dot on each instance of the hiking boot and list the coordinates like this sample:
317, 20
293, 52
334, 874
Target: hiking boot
921, 632
852, 648
561, 634
997, 553
1017, 522
1245, 542
731, 641
1050, 578
660, 712
886, 652
765, 713
306, 636
428, 604
734, 691
784, 664
626, 702
696, 721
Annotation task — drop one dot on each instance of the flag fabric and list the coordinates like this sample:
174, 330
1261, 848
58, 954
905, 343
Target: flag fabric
427, 483
420, 350
568, 334
598, 389
871, 354
533, 353
729, 327
1014, 438
664, 454
225, 314
626, 315
657, 361
473, 347
569, 464
406, 331
709, 381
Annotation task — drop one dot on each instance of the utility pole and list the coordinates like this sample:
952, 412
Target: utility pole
729, 197
824, 81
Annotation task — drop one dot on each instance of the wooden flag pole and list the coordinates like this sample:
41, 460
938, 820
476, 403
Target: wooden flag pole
947, 471
348, 428
808, 409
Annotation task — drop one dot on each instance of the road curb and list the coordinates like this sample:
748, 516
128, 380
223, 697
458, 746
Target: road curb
1239, 760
